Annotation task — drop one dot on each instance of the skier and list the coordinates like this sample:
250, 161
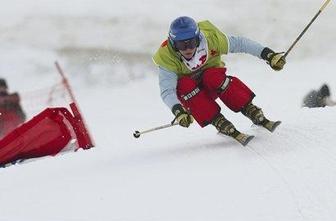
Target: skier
192, 76
318, 98
11, 113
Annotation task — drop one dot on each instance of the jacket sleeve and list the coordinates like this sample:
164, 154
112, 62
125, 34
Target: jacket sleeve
244, 45
168, 83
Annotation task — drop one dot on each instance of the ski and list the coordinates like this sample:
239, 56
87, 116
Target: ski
242, 138
270, 125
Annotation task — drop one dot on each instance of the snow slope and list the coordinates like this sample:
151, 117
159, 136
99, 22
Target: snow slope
184, 174
173, 174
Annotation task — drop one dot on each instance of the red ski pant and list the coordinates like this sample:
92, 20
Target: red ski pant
198, 96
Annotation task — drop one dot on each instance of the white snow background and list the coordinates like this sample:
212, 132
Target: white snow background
174, 174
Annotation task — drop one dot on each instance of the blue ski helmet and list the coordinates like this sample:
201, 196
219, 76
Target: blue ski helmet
183, 28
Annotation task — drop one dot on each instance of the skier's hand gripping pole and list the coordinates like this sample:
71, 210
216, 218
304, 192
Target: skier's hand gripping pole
275, 59
306, 28
182, 116
137, 134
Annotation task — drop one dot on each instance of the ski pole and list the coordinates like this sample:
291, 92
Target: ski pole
306, 28
137, 134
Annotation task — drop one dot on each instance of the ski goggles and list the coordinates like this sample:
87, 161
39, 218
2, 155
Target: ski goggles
186, 44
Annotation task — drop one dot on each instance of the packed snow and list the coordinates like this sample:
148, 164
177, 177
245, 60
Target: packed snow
175, 174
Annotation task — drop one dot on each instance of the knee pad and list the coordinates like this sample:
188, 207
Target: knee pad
235, 94
213, 78
201, 106
186, 84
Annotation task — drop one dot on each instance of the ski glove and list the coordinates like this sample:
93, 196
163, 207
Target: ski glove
274, 59
182, 116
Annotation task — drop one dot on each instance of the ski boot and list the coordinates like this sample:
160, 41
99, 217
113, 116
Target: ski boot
227, 128
255, 114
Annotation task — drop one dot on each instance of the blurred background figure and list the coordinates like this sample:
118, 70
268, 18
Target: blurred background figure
318, 98
11, 113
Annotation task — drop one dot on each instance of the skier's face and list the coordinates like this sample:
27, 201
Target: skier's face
188, 53
187, 47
